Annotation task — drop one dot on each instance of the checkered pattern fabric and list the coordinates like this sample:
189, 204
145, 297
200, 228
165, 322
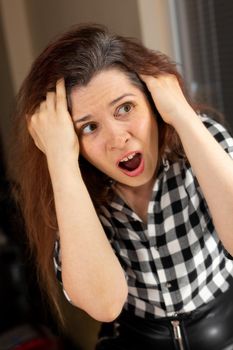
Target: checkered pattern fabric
176, 262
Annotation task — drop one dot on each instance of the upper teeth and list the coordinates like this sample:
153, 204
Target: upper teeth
128, 157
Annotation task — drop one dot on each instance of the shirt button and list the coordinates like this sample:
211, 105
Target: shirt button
168, 285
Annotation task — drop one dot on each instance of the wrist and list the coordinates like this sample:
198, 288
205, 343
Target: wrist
58, 156
184, 118
62, 164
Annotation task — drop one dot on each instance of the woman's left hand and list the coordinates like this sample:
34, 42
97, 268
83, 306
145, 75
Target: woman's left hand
168, 97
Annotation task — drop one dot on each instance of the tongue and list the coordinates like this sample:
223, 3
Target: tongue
131, 164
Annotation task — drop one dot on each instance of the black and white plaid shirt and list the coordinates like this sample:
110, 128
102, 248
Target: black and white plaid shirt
175, 262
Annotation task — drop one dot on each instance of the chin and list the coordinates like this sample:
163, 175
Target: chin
138, 182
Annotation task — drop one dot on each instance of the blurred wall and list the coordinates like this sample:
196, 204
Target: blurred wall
47, 18
6, 90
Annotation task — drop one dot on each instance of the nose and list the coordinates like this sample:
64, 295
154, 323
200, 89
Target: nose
116, 137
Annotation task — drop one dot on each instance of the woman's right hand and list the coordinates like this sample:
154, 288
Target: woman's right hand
51, 126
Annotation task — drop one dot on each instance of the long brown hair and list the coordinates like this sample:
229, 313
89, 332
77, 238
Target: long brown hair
77, 56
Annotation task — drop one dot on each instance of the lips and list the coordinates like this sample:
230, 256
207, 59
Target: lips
132, 164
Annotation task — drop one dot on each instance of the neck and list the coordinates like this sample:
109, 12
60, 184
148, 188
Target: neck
131, 196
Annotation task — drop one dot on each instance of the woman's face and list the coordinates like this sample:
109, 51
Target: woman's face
116, 127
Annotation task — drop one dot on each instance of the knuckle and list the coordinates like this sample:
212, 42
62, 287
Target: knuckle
33, 120
43, 105
60, 98
50, 93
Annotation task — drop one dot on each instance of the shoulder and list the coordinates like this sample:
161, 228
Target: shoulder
213, 125
219, 132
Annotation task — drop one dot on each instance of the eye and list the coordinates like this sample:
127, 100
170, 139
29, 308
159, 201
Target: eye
124, 109
88, 128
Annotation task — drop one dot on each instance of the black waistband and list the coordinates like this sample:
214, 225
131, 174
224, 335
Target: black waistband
209, 326
222, 297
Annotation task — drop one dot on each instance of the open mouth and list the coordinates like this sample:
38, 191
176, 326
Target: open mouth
132, 164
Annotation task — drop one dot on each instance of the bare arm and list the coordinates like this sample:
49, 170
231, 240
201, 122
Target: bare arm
92, 275
212, 165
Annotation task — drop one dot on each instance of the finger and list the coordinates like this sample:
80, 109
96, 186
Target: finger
37, 145
147, 79
142, 76
29, 126
43, 106
51, 100
29, 117
31, 132
34, 136
61, 102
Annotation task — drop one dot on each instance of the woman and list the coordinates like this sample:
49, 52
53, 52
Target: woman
133, 186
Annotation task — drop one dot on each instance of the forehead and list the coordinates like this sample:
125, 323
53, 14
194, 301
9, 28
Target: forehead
103, 87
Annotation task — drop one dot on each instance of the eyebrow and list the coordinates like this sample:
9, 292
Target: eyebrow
88, 116
120, 98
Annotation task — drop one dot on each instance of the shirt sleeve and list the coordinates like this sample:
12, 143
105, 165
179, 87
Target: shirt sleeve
57, 260
58, 267
106, 221
220, 133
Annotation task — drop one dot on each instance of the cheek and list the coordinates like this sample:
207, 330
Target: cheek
91, 150
148, 128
